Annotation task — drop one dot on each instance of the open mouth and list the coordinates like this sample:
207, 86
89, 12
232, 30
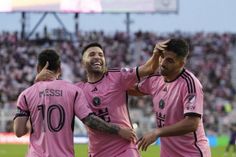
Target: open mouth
97, 64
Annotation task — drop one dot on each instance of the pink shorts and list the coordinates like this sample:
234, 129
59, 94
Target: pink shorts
129, 153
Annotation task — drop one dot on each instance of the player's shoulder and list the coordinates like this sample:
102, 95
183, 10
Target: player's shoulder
152, 77
80, 84
27, 91
72, 88
122, 69
30, 91
64, 82
31, 88
155, 75
188, 76
66, 85
189, 79
110, 70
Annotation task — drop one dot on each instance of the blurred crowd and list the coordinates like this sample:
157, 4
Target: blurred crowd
210, 60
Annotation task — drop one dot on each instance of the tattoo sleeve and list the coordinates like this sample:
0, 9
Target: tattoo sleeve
96, 123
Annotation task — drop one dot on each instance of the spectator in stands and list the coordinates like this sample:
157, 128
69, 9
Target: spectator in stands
9, 126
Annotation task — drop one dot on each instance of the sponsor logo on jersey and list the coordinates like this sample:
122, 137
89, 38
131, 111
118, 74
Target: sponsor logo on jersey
95, 89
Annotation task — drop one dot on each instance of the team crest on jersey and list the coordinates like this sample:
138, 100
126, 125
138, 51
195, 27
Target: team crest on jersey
161, 104
96, 101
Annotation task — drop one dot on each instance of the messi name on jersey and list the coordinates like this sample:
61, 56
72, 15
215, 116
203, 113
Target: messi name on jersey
50, 92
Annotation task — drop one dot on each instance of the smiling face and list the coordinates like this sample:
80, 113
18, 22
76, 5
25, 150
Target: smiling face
94, 60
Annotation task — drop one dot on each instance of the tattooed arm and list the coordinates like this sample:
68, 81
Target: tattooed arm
96, 123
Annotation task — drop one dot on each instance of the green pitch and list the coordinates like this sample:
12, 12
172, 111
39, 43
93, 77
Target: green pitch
10, 150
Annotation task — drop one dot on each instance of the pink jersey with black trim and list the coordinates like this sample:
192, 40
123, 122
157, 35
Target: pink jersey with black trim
108, 99
172, 102
52, 106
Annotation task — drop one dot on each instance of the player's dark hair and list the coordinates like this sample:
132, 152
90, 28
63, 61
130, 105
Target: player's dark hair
93, 44
52, 57
179, 47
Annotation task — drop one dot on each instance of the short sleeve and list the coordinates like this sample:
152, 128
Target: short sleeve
129, 76
145, 86
193, 99
81, 105
22, 107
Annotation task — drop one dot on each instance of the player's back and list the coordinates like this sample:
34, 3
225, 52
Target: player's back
51, 107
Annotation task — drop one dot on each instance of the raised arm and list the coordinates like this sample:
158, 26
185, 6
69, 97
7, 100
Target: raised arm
96, 123
134, 91
153, 63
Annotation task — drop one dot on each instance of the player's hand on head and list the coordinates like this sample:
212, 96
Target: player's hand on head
147, 140
128, 134
44, 74
159, 47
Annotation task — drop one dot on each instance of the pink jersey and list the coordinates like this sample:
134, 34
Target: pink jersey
51, 106
172, 102
108, 100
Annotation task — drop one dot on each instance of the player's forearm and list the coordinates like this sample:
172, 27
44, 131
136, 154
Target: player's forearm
96, 123
135, 92
184, 126
20, 126
150, 66
20, 131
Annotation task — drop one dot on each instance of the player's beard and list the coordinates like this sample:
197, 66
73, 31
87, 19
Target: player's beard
163, 71
98, 70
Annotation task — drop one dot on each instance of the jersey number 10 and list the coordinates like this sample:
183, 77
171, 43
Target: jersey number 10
49, 119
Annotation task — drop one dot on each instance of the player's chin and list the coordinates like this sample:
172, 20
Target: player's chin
97, 67
98, 70
163, 72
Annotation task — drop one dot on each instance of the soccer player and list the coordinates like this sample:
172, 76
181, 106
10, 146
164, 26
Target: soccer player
178, 104
106, 92
50, 107
232, 140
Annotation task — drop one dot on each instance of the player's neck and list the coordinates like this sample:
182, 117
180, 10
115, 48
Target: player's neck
94, 77
174, 76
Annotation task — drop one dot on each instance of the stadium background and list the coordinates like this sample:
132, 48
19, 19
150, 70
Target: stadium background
212, 60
